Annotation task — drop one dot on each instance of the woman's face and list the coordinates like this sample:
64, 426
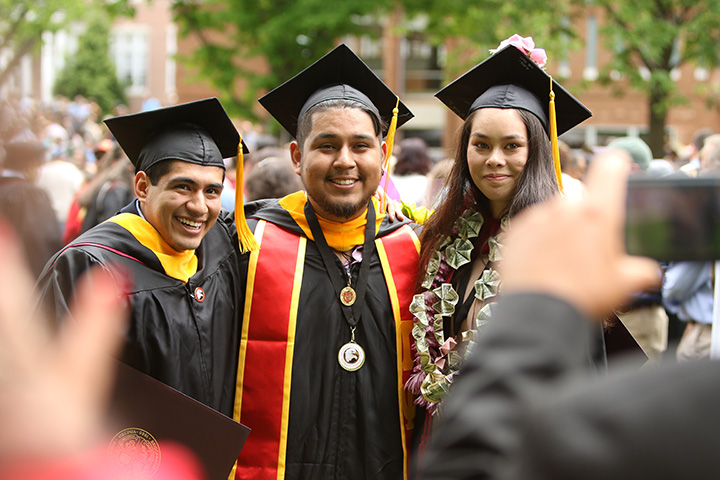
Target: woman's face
497, 153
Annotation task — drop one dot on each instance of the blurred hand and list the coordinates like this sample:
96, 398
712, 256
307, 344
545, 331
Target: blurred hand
393, 208
575, 249
53, 390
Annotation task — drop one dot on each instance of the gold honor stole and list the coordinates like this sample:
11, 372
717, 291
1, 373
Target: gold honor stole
178, 265
262, 396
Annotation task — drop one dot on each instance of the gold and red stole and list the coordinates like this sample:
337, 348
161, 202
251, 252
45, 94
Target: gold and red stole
274, 280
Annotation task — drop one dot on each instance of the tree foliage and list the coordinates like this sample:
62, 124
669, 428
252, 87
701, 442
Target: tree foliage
287, 34
477, 26
651, 38
659, 35
91, 72
22, 23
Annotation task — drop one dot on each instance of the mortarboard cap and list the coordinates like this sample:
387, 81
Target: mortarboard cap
510, 79
196, 132
340, 74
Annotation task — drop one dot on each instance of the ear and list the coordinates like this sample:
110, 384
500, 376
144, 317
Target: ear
142, 186
296, 156
384, 149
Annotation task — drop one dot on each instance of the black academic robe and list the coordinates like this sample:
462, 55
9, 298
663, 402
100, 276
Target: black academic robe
183, 334
526, 408
340, 424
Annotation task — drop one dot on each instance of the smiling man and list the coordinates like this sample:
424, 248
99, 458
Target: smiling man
326, 328
175, 246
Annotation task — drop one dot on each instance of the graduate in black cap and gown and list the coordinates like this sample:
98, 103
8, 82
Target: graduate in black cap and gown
176, 247
326, 326
504, 162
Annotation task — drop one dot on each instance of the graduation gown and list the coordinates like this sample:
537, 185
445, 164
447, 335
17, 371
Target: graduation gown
309, 417
183, 334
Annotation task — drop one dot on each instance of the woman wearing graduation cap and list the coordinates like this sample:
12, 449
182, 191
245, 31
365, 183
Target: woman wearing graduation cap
504, 162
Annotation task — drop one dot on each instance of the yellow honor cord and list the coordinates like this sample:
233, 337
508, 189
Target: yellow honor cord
390, 141
246, 239
554, 139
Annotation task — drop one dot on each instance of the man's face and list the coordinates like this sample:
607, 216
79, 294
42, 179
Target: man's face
184, 204
340, 163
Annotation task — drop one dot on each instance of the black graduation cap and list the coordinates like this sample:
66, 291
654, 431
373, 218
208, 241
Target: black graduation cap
196, 132
510, 79
340, 74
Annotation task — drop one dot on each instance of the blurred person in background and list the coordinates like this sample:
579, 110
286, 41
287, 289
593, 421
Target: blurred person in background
410, 171
437, 178
111, 188
26, 206
61, 179
273, 177
692, 152
644, 316
572, 167
688, 288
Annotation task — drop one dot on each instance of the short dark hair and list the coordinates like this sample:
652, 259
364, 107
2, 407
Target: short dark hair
305, 122
158, 170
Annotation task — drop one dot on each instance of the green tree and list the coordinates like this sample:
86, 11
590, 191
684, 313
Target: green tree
286, 34
477, 26
22, 23
659, 35
649, 39
91, 72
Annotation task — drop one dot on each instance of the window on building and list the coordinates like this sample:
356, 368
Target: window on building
129, 49
423, 64
591, 68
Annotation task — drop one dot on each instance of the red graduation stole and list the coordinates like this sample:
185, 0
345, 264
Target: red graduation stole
262, 395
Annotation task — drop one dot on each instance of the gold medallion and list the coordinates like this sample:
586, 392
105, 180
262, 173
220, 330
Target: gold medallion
347, 296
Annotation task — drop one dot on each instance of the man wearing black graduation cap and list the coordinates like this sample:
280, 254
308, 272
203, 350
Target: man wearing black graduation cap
176, 248
326, 327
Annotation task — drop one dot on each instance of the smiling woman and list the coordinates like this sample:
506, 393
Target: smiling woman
503, 164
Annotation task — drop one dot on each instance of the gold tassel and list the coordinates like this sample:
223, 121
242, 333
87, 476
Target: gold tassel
554, 138
390, 141
246, 239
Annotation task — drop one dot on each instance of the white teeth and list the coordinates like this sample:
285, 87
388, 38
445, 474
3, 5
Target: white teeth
189, 223
344, 182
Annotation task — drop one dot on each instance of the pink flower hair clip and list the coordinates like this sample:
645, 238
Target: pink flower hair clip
526, 45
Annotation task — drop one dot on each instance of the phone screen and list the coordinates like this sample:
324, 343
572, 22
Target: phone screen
674, 218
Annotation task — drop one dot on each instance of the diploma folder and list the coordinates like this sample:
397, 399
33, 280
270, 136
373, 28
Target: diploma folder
142, 405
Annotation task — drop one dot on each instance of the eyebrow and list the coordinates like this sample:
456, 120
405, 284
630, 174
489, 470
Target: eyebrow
357, 136
507, 137
193, 182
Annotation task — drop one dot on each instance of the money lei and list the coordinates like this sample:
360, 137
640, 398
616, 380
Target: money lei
436, 362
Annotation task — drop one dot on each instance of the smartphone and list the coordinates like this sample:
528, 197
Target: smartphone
673, 218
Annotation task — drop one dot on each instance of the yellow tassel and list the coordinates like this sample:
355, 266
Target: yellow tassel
390, 140
246, 239
554, 138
